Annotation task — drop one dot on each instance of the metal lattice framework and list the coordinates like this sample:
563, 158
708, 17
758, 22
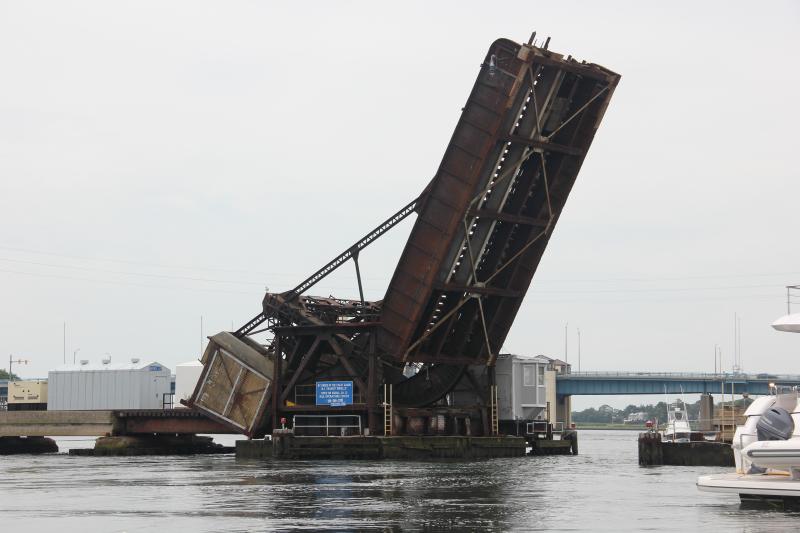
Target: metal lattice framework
483, 223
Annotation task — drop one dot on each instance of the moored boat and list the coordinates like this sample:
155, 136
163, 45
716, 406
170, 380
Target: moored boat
766, 447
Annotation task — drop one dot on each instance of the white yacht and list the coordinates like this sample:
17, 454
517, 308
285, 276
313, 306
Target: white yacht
678, 428
790, 323
767, 453
766, 448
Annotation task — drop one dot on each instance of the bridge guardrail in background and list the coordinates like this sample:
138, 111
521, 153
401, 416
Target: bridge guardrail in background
682, 375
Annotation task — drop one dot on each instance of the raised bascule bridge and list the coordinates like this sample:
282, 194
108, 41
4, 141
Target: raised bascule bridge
425, 353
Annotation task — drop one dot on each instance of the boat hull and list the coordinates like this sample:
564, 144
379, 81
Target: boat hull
780, 454
755, 484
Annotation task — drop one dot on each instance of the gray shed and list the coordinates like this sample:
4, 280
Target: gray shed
132, 385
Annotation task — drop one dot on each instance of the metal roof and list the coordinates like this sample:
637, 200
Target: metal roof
109, 366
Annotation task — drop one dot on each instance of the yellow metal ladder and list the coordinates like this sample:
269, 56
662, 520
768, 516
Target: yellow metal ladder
493, 408
387, 409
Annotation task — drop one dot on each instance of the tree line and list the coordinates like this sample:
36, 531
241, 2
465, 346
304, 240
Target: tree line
607, 414
4, 375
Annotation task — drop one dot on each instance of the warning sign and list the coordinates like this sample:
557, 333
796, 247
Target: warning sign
334, 393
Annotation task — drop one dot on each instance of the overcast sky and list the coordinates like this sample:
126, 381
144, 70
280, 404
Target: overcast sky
163, 161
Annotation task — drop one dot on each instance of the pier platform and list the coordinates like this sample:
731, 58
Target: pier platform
654, 452
127, 432
101, 423
288, 446
153, 445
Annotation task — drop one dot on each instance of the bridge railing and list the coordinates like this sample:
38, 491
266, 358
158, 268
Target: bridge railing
682, 375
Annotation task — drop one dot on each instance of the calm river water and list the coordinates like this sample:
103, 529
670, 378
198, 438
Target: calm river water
603, 489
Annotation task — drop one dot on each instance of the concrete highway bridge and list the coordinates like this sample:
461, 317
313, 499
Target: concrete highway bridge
610, 383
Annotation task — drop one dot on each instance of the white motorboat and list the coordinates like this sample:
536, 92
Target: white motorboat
790, 323
678, 428
767, 447
767, 453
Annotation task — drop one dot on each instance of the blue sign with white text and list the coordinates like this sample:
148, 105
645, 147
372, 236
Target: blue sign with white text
334, 393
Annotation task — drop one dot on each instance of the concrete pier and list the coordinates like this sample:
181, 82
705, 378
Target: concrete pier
654, 452
153, 445
21, 445
56, 423
101, 423
288, 446
120, 432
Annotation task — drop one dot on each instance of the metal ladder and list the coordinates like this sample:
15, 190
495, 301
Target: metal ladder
387, 410
493, 408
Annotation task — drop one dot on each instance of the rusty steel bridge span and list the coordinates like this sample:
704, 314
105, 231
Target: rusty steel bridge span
482, 224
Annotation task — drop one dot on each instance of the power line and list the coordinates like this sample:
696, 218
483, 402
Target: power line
130, 262
117, 282
675, 278
133, 284
165, 276
658, 289
157, 265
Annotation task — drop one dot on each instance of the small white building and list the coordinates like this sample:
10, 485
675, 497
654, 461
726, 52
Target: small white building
27, 395
132, 385
186, 377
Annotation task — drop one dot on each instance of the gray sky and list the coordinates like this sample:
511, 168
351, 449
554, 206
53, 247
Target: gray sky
163, 161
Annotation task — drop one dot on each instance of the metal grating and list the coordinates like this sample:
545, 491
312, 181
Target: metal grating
485, 218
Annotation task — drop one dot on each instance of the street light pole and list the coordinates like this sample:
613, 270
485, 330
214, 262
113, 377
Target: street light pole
75, 354
11, 362
715, 359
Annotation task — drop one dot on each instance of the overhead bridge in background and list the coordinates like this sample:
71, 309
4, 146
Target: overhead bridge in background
613, 383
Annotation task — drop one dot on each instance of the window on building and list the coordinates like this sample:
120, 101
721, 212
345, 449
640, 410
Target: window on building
529, 375
541, 374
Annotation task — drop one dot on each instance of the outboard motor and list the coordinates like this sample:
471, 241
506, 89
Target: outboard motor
746, 434
775, 424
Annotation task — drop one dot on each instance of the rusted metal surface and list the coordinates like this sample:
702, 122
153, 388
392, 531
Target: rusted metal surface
234, 385
486, 216
167, 422
483, 223
316, 277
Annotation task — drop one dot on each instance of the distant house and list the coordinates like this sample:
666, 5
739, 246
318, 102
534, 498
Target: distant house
527, 388
636, 418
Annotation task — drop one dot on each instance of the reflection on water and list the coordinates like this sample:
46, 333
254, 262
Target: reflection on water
602, 489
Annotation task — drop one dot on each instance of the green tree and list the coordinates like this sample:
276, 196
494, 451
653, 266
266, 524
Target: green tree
4, 375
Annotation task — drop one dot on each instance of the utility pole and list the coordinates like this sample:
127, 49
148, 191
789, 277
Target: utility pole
739, 341
11, 362
734, 341
715, 359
